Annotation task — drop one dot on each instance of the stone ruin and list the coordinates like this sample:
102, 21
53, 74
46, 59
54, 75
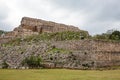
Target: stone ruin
38, 25
84, 54
31, 26
79, 54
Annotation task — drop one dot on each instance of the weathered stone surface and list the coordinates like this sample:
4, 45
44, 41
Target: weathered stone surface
89, 45
32, 26
78, 54
38, 25
87, 54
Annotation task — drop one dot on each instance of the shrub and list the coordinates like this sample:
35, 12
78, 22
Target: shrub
115, 35
32, 62
5, 65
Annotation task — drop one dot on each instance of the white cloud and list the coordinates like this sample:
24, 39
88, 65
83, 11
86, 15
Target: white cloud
95, 16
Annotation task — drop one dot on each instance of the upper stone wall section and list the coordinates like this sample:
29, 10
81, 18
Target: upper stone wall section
38, 25
33, 26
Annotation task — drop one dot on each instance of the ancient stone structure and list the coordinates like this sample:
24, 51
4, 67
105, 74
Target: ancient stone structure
32, 26
102, 53
38, 25
78, 54
75, 54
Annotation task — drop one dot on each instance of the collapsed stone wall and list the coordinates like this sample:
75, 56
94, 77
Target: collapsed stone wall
81, 54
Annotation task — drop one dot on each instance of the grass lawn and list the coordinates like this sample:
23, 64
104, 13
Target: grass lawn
58, 74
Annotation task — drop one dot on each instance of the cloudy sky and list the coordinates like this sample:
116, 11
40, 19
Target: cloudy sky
95, 16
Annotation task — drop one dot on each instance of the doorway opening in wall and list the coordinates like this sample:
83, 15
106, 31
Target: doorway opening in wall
35, 29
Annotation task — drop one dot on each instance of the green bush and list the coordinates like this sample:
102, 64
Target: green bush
1, 32
32, 62
112, 36
5, 65
115, 35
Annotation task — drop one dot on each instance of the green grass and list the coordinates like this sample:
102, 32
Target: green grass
59, 74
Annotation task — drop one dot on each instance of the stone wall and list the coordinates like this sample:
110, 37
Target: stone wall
81, 54
5, 40
89, 45
39, 25
102, 53
32, 26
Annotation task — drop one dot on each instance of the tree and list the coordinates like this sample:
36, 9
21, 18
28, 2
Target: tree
115, 35
102, 36
1, 32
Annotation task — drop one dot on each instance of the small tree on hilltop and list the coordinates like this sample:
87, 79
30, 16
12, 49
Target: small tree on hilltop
115, 35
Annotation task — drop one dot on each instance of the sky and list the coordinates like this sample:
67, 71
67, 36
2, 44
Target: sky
95, 16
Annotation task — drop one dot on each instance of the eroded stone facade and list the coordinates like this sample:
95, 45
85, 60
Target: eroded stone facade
38, 25
83, 54
32, 26
78, 54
